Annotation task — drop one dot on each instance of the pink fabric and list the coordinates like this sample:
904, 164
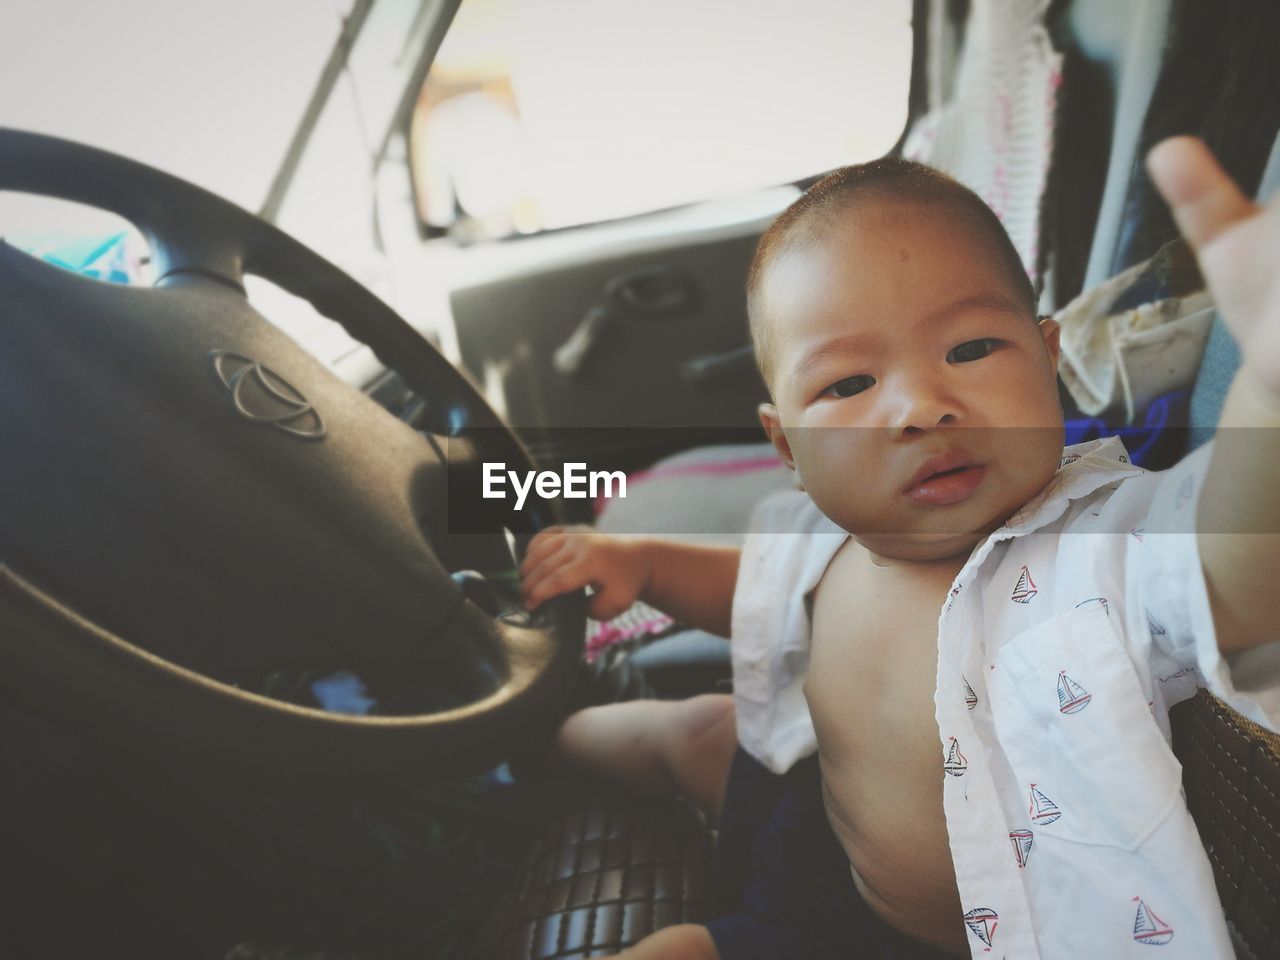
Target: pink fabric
718, 468
607, 634
995, 134
722, 468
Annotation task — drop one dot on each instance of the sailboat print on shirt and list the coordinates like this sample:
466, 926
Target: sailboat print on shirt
970, 698
1100, 601
1072, 698
982, 923
1025, 588
1148, 928
1157, 628
1022, 841
1042, 809
957, 763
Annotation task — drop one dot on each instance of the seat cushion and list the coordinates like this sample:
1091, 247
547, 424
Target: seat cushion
602, 875
1231, 774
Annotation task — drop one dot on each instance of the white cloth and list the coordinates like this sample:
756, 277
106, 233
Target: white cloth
996, 135
1125, 360
1061, 647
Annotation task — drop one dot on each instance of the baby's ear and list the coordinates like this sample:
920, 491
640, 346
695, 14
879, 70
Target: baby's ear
1052, 332
772, 424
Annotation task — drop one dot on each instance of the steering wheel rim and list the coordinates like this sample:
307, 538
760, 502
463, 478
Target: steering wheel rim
224, 479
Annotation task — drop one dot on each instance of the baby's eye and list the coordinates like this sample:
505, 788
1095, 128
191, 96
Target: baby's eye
849, 386
972, 350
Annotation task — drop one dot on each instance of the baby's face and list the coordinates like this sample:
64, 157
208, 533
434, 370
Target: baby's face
900, 350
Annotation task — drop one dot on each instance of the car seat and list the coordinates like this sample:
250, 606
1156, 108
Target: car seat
609, 870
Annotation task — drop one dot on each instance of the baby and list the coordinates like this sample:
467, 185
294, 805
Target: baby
987, 630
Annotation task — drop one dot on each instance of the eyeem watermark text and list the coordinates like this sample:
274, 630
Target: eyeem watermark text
574, 483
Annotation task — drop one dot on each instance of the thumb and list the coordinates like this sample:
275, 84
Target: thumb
607, 602
1203, 199
602, 608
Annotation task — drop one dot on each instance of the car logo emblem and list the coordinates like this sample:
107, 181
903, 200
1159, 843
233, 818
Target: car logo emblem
263, 396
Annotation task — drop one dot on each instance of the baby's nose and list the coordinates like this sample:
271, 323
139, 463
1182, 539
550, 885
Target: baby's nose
924, 404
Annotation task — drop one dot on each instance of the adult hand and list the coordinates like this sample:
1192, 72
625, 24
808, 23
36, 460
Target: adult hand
1238, 245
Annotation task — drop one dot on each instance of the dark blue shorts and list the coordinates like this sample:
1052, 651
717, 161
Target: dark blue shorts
780, 863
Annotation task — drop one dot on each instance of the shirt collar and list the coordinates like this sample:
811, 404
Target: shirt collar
1084, 469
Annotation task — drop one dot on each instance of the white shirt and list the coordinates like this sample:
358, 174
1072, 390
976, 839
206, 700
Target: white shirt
1065, 639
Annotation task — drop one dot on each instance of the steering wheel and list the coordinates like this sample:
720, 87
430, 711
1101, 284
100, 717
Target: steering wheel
186, 496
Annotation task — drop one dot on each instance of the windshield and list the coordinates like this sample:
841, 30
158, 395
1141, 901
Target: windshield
537, 116
209, 92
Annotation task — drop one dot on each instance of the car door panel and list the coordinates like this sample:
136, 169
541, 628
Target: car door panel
621, 355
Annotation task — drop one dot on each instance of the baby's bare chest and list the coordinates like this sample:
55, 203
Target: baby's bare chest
872, 676
874, 656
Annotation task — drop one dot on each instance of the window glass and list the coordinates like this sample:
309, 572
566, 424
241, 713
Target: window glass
540, 114
210, 92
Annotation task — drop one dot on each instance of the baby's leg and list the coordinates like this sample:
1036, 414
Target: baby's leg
687, 941
661, 747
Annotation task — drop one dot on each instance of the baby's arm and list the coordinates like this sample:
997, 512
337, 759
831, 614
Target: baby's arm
1238, 516
692, 584
665, 747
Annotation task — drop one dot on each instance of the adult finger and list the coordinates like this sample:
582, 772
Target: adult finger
1203, 199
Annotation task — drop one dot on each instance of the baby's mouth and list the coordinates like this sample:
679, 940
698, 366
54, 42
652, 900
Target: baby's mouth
946, 479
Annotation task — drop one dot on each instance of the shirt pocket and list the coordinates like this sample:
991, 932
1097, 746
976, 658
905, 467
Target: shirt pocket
1071, 715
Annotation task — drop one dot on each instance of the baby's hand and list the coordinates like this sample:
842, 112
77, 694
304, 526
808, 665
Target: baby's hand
1238, 245
563, 559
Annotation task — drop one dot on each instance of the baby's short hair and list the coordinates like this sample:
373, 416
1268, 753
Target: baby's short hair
887, 178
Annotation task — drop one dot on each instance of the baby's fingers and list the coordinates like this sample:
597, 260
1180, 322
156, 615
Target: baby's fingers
543, 545
551, 581
1204, 200
562, 555
608, 602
